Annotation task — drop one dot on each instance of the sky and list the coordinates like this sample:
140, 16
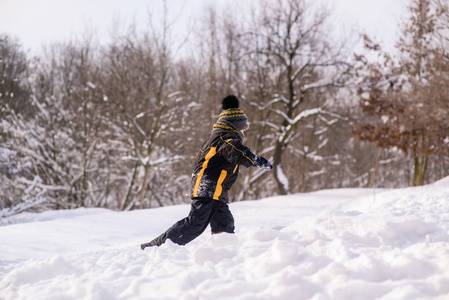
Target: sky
38, 23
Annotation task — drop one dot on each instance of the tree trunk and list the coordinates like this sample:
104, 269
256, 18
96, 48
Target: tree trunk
373, 175
144, 187
126, 200
420, 169
303, 173
279, 175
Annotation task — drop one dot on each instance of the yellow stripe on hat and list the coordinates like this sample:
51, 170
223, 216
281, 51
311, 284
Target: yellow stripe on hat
232, 113
224, 126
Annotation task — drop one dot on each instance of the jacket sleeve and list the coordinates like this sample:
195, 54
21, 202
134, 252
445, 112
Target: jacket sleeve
235, 152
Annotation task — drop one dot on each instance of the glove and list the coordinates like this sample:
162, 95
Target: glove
262, 162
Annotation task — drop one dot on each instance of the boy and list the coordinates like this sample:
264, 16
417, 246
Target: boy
216, 169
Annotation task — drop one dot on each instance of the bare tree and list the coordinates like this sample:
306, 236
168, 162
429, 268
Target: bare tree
407, 98
148, 107
14, 72
303, 66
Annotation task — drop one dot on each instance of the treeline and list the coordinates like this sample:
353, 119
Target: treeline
117, 125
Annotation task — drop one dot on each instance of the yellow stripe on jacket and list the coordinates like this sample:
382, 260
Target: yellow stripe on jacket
209, 155
219, 187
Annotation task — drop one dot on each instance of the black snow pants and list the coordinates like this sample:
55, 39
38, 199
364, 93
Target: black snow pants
202, 213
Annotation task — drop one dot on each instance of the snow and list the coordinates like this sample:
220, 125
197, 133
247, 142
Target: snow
331, 244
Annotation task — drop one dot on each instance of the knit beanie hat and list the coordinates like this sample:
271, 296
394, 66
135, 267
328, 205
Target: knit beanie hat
233, 114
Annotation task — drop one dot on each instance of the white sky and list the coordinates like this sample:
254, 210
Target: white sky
39, 22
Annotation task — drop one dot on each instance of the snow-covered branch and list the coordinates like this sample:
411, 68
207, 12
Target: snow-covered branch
266, 105
24, 205
269, 124
45, 186
304, 114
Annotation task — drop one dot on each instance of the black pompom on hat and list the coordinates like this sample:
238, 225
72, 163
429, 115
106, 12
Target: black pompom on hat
230, 101
232, 113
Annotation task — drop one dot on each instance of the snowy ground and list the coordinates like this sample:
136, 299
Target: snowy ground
334, 244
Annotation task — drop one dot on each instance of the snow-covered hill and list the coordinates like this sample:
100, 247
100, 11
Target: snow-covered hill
333, 244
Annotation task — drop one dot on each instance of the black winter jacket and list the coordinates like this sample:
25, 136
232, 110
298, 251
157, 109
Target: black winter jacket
216, 165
